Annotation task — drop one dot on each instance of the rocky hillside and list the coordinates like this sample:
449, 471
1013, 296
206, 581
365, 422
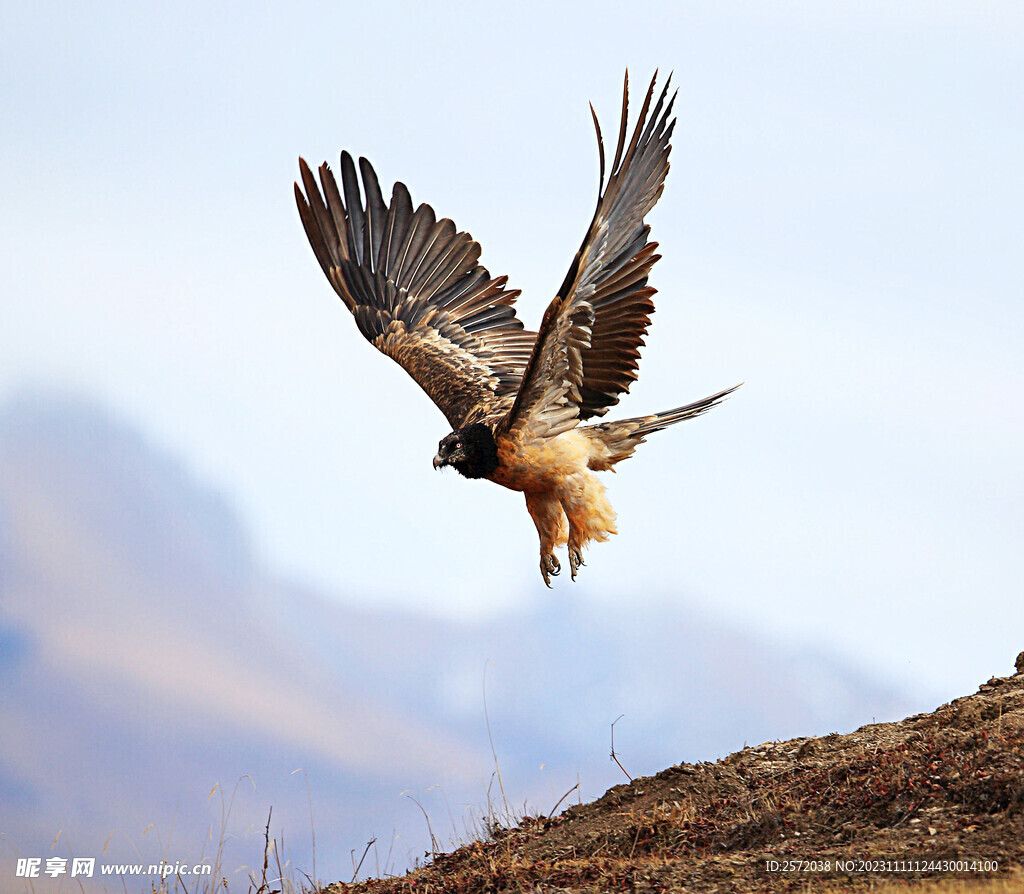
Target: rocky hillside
882, 806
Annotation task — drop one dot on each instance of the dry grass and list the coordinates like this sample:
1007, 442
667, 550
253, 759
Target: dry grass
950, 783
275, 875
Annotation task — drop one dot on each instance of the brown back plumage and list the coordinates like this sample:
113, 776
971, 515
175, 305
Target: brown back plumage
416, 291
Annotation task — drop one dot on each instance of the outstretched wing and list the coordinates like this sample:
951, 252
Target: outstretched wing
588, 344
416, 291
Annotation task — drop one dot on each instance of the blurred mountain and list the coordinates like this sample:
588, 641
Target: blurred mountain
148, 657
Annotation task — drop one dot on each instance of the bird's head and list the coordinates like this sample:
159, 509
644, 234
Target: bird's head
470, 450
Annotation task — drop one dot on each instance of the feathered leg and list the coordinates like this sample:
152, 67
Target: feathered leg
547, 515
589, 513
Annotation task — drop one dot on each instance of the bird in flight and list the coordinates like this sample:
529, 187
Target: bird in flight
515, 399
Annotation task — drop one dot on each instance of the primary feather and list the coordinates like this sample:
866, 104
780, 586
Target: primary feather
416, 291
588, 345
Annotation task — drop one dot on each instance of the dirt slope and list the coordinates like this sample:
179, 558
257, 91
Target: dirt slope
949, 784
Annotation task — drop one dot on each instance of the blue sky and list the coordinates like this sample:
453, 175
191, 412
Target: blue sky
841, 229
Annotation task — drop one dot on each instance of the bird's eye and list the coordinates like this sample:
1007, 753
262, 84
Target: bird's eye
457, 445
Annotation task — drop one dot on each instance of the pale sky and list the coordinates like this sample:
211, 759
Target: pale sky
842, 230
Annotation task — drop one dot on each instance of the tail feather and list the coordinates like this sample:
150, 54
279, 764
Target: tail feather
647, 425
620, 438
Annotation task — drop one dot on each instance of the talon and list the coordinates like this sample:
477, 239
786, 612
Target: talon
549, 565
575, 560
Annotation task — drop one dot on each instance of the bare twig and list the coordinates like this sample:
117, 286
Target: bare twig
560, 800
614, 756
266, 850
369, 844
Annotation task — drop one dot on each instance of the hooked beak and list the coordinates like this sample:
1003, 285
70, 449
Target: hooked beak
439, 461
